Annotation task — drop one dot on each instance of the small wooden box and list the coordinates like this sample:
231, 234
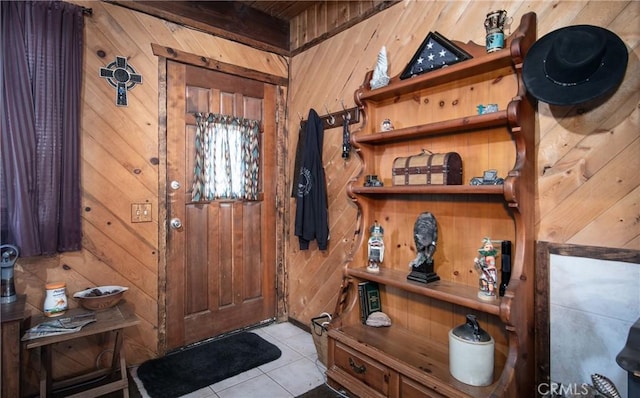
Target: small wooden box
428, 169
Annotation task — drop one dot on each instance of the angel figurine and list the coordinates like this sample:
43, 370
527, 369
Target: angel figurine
485, 264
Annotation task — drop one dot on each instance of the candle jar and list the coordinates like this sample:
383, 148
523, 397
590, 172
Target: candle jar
494, 25
55, 301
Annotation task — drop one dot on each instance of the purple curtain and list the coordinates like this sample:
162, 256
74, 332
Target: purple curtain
41, 75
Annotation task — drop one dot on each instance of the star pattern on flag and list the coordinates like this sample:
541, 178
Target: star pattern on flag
435, 56
435, 52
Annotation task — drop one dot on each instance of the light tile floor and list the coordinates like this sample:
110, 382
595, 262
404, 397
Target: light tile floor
295, 372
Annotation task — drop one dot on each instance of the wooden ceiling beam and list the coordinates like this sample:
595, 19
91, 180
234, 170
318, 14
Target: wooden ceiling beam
286, 10
228, 19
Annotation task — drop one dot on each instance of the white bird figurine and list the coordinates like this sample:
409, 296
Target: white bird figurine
380, 77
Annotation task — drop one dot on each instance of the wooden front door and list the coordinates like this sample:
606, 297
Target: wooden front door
221, 255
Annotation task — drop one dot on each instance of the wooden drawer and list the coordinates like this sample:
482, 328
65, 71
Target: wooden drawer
412, 389
363, 368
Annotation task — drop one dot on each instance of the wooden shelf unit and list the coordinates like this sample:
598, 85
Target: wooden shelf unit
435, 111
399, 348
462, 70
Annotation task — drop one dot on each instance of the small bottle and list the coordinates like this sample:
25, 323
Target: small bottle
506, 266
55, 301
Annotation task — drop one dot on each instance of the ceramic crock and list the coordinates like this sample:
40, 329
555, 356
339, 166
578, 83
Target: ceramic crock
471, 353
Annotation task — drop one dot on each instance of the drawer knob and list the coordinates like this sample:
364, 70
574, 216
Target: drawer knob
358, 369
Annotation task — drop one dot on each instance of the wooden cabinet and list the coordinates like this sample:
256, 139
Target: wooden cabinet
437, 111
12, 316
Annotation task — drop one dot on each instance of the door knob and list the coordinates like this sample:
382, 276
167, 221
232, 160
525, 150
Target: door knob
175, 223
175, 185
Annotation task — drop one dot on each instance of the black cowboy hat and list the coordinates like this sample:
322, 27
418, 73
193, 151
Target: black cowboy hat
575, 64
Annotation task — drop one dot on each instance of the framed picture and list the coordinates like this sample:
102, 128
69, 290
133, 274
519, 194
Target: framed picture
434, 53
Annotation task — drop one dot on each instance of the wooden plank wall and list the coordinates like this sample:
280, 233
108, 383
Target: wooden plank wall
121, 164
588, 187
325, 18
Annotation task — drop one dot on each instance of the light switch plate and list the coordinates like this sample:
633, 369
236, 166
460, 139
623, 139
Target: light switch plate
141, 212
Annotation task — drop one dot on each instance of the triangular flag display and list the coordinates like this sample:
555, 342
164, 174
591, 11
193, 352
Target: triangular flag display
434, 53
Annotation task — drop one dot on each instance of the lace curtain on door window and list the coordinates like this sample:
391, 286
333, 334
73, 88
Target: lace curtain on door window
227, 151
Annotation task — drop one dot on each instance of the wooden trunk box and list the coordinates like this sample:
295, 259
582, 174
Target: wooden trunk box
428, 169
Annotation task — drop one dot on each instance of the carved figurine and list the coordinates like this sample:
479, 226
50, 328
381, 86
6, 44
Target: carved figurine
386, 125
376, 248
425, 234
380, 77
485, 264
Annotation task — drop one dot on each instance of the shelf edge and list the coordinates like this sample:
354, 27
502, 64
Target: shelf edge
429, 290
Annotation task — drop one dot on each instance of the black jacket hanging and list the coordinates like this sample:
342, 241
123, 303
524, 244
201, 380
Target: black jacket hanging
311, 200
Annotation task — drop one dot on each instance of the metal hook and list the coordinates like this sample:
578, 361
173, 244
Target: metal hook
345, 110
332, 119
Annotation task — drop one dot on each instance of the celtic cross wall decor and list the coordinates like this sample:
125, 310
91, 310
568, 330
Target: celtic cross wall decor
123, 77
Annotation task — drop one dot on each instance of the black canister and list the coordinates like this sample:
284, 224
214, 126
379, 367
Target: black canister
8, 260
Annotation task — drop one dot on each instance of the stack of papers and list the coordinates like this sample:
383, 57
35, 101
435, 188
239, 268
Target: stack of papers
58, 326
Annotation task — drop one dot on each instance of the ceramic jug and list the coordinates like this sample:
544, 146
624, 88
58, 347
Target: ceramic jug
471, 353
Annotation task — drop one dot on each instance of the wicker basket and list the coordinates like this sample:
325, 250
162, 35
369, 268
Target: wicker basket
319, 326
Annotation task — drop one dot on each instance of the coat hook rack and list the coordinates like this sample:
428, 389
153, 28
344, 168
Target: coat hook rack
335, 119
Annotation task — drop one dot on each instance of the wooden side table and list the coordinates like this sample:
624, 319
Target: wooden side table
12, 315
113, 320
